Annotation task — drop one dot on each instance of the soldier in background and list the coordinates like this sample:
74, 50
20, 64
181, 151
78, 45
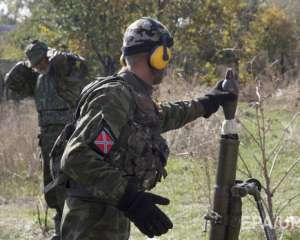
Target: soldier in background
55, 80
116, 153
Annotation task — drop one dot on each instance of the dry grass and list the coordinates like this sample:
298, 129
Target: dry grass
19, 156
197, 138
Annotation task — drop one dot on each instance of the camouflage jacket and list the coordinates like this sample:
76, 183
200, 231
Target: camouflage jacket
117, 136
56, 92
20, 82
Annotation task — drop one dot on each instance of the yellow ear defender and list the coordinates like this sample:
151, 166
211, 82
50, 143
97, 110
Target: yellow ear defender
157, 59
160, 57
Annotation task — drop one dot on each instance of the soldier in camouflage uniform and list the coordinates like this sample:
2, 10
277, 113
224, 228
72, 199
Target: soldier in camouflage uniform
55, 80
116, 153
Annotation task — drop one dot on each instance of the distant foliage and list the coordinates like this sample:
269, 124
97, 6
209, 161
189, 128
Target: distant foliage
274, 32
201, 29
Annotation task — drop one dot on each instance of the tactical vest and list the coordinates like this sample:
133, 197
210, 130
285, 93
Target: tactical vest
140, 150
52, 109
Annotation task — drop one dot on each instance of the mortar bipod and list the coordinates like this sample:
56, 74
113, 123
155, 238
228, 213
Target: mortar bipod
253, 187
239, 190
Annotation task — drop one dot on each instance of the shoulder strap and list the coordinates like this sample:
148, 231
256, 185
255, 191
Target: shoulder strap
91, 87
69, 128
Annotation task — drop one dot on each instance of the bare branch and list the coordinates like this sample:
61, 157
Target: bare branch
261, 131
286, 204
249, 174
246, 174
279, 146
257, 161
248, 132
284, 131
287, 172
274, 160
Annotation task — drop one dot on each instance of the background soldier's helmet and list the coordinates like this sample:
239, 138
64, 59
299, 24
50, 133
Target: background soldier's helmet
35, 52
143, 35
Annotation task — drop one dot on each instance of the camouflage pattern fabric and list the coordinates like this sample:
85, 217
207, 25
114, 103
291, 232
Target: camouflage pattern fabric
84, 220
52, 109
124, 115
20, 82
143, 35
55, 197
70, 74
55, 96
47, 136
57, 92
145, 31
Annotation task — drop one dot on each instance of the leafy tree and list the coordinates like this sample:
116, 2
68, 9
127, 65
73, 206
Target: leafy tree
212, 27
202, 29
273, 33
96, 27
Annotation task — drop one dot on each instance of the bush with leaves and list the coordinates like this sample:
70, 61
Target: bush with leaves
201, 29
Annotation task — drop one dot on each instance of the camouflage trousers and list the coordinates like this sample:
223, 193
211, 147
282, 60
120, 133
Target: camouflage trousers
84, 219
55, 197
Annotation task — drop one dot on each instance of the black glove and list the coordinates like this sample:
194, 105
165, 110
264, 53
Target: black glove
215, 98
140, 208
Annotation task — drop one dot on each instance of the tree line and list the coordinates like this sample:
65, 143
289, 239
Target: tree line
205, 31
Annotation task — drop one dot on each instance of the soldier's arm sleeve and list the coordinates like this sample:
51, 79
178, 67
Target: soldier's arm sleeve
71, 75
174, 115
105, 114
20, 81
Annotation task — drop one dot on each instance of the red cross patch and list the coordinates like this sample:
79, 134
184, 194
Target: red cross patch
104, 141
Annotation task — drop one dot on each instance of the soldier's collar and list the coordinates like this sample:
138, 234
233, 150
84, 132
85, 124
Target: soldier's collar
138, 84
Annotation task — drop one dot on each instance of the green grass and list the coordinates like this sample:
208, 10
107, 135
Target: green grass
276, 124
19, 221
19, 216
16, 186
185, 187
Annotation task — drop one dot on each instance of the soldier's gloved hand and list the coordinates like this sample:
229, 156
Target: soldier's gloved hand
215, 98
141, 209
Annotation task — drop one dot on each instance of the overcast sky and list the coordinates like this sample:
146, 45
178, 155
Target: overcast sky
3, 7
24, 12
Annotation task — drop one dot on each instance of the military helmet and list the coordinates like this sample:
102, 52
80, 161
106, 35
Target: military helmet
143, 35
35, 52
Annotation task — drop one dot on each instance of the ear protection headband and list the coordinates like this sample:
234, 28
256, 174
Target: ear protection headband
160, 54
